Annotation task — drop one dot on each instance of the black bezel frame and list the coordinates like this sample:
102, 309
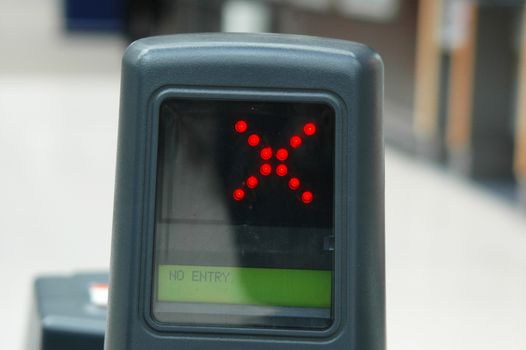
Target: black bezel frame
148, 274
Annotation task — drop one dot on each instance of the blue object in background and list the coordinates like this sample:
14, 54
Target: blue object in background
94, 15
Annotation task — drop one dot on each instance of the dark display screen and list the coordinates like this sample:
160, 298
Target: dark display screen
245, 214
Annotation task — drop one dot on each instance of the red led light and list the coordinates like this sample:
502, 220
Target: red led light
252, 182
309, 129
253, 140
282, 154
295, 141
294, 183
265, 169
282, 170
307, 197
241, 126
266, 153
238, 194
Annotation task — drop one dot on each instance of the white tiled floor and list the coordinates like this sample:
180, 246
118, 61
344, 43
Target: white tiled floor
57, 156
456, 256
58, 129
456, 263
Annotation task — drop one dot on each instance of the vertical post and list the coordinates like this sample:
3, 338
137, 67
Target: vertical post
461, 86
520, 131
481, 102
428, 66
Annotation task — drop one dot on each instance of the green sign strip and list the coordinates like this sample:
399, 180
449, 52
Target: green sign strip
242, 285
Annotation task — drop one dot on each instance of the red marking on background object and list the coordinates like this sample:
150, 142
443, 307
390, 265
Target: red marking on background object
253, 140
307, 197
295, 141
309, 129
238, 194
266, 153
241, 126
282, 154
265, 169
282, 170
294, 183
252, 182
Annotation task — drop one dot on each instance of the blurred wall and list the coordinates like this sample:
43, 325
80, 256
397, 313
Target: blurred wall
393, 38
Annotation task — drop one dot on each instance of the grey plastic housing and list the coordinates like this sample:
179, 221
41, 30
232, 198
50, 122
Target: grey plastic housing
63, 316
267, 67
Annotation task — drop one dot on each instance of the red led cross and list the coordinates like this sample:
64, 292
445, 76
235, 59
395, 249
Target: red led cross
266, 153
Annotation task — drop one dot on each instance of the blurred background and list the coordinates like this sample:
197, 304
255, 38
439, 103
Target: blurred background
455, 131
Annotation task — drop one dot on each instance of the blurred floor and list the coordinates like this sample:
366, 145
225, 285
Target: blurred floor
456, 262
58, 130
456, 255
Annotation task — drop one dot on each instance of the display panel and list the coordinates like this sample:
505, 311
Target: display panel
244, 230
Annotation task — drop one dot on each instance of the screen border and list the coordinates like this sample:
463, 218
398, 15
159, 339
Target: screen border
147, 274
